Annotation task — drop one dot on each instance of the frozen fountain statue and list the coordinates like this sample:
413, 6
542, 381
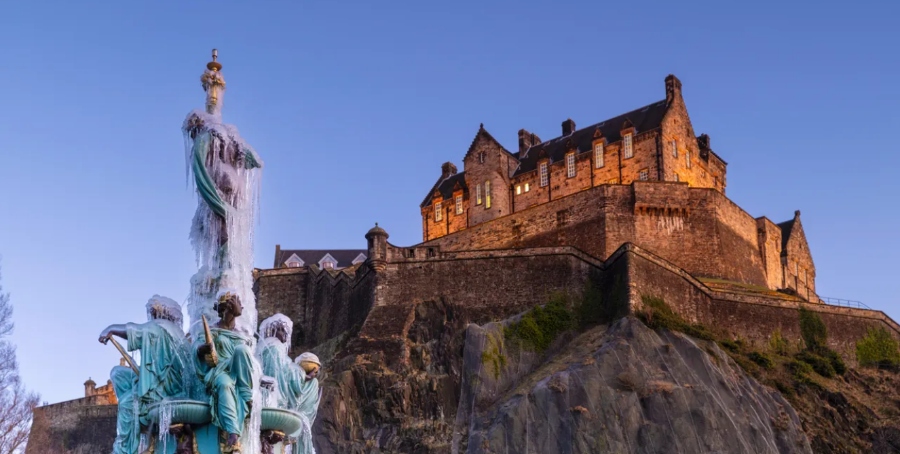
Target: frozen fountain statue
202, 391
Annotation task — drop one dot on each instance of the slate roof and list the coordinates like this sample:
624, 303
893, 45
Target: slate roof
643, 119
446, 186
786, 228
312, 256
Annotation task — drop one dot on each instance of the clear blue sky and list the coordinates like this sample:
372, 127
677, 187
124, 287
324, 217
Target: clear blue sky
355, 106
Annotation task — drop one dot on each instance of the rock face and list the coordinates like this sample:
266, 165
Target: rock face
622, 389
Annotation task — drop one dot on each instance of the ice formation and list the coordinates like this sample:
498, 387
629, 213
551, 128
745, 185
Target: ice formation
226, 174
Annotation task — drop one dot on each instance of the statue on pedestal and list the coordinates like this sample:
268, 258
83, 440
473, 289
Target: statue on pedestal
162, 372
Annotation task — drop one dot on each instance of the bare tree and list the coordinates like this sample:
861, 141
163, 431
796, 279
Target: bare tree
16, 403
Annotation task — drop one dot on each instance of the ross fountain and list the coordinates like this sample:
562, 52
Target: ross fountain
219, 388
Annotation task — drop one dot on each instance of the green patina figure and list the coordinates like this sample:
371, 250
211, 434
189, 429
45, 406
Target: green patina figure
225, 364
164, 363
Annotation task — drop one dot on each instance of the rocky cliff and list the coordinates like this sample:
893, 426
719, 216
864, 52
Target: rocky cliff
619, 387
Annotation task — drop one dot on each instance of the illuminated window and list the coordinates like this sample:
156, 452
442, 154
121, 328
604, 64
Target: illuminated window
626, 146
487, 194
675, 148
477, 194
459, 204
644, 175
545, 178
518, 189
570, 165
438, 213
613, 181
527, 187
598, 155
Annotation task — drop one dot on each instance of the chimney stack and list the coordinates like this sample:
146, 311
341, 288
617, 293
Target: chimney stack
673, 88
703, 141
447, 169
568, 127
527, 140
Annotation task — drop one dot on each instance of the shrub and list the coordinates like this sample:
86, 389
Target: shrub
821, 365
878, 349
733, 345
835, 359
761, 358
778, 343
657, 314
539, 327
813, 330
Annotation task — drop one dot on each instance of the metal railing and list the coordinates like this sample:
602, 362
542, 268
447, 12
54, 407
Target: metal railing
843, 302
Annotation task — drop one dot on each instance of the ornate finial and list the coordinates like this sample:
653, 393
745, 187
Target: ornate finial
376, 224
213, 83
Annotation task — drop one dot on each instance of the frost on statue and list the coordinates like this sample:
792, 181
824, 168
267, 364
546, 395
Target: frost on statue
202, 392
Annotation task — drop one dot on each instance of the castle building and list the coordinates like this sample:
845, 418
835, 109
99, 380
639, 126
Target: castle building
642, 177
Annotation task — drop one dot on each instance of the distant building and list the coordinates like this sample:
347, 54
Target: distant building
326, 259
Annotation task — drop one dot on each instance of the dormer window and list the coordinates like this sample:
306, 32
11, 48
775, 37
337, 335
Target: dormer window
487, 194
570, 164
598, 155
328, 262
545, 178
359, 258
459, 207
477, 194
628, 150
438, 212
294, 261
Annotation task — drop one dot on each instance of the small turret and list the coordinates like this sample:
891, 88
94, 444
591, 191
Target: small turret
90, 388
377, 250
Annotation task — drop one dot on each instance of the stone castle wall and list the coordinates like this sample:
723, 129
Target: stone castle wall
80, 426
699, 229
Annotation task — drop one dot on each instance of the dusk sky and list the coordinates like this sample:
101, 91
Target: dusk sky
354, 105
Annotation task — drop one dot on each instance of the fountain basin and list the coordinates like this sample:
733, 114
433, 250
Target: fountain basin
284, 421
183, 412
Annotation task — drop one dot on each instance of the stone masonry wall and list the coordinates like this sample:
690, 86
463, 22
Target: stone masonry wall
699, 229
753, 318
73, 427
322, 304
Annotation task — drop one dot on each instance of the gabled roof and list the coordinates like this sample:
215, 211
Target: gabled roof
344, 257
446, 186
786, 228
483, 133
644, 119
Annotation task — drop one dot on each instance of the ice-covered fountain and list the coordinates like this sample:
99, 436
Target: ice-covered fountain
224, 386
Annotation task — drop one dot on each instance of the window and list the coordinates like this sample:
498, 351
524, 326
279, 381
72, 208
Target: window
570, 165
293, 264
675, 148
487, 194
687, 158
477, 194
518, 189
438, 213
613, 181
328, 265
598, 155
459, 204
644, 175
527, 187
626, 146
545, 179
677, 178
